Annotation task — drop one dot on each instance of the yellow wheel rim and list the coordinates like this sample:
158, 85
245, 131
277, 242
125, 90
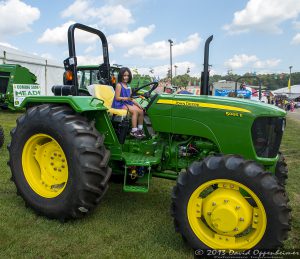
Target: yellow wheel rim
45, 165
224, 218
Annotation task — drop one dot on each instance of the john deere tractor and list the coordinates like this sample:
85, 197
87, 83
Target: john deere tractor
223, 154
22, 78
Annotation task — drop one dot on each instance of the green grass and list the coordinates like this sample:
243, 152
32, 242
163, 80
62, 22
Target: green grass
125, 225
291, 149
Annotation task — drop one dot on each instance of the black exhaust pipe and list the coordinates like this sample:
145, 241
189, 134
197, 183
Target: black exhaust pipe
205, 74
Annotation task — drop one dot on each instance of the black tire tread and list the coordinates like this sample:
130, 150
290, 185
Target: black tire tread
210, 167
93, 172
281, 170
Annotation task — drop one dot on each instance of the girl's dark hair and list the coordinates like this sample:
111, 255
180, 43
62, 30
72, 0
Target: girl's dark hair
122, 72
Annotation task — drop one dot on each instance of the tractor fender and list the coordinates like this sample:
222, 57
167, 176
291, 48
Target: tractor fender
78, 103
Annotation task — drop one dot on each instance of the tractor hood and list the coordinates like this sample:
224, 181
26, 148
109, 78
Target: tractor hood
230, 123
222, 104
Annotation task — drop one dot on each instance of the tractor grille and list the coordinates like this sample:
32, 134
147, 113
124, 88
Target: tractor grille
266, 135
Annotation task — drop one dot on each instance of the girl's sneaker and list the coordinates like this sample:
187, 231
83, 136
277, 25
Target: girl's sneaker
142, 133
136, 134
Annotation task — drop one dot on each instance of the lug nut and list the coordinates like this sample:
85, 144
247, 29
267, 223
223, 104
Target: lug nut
236, 229
208, 213
226, 201
241, 219
231, 186
214, 204
237, 207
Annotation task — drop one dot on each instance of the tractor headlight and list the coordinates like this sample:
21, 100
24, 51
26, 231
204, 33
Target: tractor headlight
266, 135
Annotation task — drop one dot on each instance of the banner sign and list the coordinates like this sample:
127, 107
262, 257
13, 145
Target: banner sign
224, 92
23, 90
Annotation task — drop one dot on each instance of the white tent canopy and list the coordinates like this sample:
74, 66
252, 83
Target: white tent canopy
293, 93
48, 72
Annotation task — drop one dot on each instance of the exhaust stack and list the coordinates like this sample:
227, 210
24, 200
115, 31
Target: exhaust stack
205, 74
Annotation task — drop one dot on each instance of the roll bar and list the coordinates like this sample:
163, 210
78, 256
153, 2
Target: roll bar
71, 62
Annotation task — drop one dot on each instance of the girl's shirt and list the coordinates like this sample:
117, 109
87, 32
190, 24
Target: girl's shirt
125, 92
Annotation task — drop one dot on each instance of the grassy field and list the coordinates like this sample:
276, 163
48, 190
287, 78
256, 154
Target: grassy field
125, 225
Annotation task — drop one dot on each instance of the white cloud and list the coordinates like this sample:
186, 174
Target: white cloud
263, 15
88, 60
5, 44
296, 39
161, 49
243, 60
78, 10
58, 35
239, 61
131, 38
116, 16
47, 56
162, 70
266, 63
90, 49
16, 17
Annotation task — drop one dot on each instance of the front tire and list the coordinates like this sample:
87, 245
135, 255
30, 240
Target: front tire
247, 210
58, 162
281, 170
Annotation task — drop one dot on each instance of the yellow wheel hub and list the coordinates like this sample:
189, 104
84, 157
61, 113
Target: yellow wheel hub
45, 165
223, 218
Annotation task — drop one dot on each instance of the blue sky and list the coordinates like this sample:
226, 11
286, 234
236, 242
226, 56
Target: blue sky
260, 36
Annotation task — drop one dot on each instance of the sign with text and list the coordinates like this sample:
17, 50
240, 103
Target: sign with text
23, 90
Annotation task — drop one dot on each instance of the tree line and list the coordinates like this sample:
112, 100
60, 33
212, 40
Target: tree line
270, 81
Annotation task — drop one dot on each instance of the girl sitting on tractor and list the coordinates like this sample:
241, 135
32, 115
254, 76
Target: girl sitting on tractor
123, 100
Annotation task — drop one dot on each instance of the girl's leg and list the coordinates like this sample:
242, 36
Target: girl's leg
140, 120
134, 115
140, 115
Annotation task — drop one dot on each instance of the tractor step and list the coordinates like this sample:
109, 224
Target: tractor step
137, 179
135, 159
133, 188
137, 171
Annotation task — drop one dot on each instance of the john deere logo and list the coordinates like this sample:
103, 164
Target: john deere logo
186, 103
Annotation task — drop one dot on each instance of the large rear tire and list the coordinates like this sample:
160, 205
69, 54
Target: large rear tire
247, 210
1, 136
58, 162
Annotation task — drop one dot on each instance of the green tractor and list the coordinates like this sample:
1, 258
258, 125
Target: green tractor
223, 154
12, 75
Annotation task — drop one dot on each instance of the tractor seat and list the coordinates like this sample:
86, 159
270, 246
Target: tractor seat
106, 93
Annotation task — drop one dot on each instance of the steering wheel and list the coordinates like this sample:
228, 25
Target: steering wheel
146, 95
